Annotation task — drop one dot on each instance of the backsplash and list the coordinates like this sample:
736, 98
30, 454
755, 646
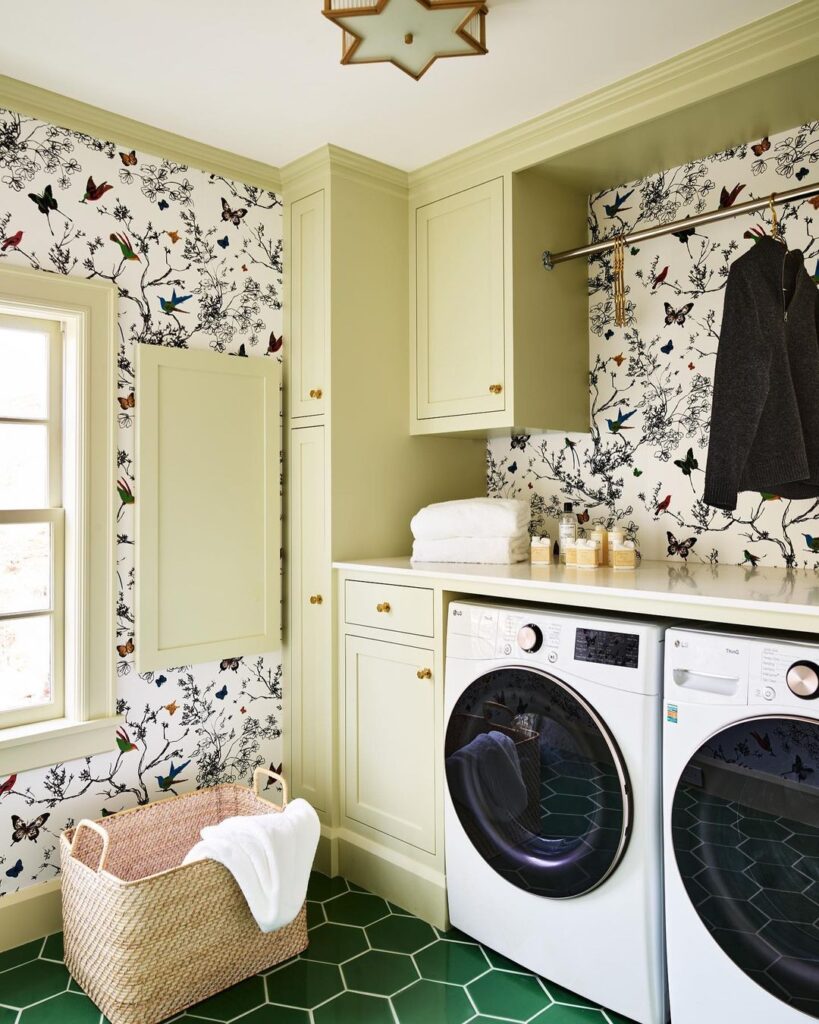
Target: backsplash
71, 204
650, 382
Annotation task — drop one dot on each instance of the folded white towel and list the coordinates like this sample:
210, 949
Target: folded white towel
269, 855
472, 517
474, 550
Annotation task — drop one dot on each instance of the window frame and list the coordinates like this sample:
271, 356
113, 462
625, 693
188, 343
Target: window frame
87, 311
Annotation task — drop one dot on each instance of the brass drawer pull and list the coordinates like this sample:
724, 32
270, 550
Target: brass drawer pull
424, 673
495, 389
383, 607
315, 392
316, 599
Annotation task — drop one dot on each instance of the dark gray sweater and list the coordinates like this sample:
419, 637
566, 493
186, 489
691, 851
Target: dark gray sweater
765, 415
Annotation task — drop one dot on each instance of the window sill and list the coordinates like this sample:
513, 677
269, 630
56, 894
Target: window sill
47, 743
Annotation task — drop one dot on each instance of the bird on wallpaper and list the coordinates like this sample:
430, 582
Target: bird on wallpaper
167, 782
124, 741
615, 426
12, 241
8, 785
812, 542
274, 343
126, 495
752, 560
658, 280
727, 198
664, 505
94, 192
767, 496
124, 243
814, 275
172, 304
612, 209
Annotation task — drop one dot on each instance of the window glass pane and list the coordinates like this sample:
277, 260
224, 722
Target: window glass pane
23, 465
23, 374
25, 570
25, 662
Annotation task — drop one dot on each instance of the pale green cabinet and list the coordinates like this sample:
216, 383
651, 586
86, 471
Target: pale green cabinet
389, 755
308, 309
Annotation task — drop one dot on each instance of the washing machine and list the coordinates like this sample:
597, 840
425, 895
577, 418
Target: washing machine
741, 807
553, 808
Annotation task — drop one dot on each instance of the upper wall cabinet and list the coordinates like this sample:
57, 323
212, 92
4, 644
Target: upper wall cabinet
308, 313
208, 507
495, 342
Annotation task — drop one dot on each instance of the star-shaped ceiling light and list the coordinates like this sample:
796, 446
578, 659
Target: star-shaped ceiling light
411, 34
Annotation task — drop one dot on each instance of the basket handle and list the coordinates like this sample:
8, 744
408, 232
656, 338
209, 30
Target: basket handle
101, 832
276, 778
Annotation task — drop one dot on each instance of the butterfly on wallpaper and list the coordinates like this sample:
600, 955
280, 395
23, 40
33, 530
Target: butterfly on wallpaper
234, 217
659, 278
128, 159
14, 872
803, 172
126, 648
752, 560
23, 831
276, 771
94, 192
127, 403
230, 663
814, 202
274, 343
634, 250
637, 472
619, 359
244, 268
45, 202
160, 680
174, 236
171, 708
688, 465
758, 148
613, 209
163, 204
668, 347
221, 694
677, 316
691, 366
679, 547
223, 242
520, 441
684, 234
799, 769
727, 198
512, 467
582, 517
609, 334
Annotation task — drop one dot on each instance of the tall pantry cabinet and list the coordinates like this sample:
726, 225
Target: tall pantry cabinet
354, 476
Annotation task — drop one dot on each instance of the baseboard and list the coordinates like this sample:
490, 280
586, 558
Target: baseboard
397, 878
30, 914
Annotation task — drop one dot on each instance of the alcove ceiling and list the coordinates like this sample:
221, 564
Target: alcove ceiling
262, 77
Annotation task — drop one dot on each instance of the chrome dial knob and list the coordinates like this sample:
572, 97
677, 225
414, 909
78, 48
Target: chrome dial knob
530, 638
803, 679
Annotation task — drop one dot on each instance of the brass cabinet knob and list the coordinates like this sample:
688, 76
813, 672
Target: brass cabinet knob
316, 599
315, 392
383, 607
424, 673
495, 389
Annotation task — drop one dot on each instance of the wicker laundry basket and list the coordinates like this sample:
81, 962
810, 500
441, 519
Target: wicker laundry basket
146, 936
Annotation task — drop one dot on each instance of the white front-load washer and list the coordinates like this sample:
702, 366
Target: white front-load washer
553, 797
741, 796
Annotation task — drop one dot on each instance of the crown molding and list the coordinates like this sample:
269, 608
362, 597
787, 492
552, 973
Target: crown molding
780, 40
126, 132
334, 161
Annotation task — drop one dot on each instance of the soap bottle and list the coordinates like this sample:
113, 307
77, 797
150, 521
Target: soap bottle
567, 529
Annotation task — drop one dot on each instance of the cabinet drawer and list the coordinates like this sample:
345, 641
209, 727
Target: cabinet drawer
384, 606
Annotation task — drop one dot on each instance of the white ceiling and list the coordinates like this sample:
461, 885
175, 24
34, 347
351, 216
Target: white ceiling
262, 77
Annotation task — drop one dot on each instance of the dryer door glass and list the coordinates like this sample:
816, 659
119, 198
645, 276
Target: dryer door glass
745, 827
537, 782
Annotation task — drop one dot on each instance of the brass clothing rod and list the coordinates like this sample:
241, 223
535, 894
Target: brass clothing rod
551, 260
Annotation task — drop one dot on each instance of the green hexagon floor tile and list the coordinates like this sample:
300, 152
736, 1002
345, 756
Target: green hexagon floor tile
369, 962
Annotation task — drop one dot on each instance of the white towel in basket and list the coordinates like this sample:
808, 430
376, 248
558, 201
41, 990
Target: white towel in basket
269, 855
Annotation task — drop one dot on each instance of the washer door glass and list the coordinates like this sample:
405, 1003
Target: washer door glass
537, 783
745, 827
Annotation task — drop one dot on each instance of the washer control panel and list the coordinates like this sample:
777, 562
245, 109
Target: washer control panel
606, 648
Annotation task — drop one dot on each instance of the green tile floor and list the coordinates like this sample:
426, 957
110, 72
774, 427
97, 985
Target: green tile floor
368, 962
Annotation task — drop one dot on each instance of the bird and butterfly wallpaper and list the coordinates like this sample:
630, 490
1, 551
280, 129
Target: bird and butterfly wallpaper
642, 464
197, 260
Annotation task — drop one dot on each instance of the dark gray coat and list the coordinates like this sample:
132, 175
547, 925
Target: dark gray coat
765, 415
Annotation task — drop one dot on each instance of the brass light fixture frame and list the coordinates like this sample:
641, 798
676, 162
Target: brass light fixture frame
351, 41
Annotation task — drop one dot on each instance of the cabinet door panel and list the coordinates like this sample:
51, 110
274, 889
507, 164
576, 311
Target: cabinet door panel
208, 455
460, 360
310, 630
390, 740
308, 324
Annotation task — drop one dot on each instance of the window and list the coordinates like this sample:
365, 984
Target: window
58, 355
32, 520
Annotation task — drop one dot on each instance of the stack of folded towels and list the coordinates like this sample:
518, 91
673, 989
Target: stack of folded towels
483, 530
